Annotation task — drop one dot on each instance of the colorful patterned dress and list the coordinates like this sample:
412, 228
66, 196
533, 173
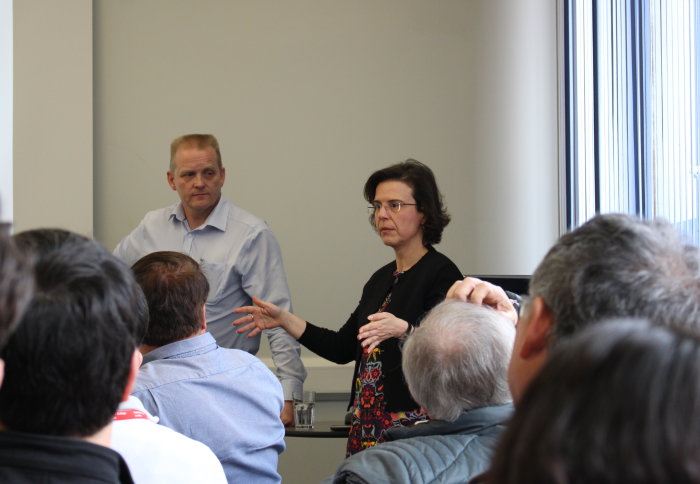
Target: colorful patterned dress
369, 419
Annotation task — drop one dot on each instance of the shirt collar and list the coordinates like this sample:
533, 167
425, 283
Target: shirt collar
470, 421
133, 403
216, 219
182, 348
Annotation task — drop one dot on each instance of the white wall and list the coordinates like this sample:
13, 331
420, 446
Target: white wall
307, 98
515, 174
53, 165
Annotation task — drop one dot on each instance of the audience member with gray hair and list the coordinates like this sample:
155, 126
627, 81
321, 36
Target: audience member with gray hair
612, 266
455, 365
617, 266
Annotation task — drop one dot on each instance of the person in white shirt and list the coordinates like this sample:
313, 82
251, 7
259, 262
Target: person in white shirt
157, 454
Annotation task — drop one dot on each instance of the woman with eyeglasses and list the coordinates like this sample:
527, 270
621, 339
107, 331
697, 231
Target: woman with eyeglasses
407, 213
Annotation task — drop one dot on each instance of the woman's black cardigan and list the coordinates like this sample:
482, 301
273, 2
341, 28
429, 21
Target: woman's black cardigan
416, 292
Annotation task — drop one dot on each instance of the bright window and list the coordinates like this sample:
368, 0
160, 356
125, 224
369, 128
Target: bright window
631, 104
6, 110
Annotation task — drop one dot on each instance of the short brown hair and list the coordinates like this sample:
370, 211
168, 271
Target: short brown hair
176, 289
199, 141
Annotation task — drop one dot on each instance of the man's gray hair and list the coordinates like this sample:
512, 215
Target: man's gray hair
618, 265
457, 359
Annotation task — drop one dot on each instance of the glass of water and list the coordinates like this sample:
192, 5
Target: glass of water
304, 411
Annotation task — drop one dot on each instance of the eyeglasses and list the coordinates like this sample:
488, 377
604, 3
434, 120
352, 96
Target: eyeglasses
394, 206
523, 304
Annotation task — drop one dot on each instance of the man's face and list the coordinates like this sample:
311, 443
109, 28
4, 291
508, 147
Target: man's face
197, 178
530, 348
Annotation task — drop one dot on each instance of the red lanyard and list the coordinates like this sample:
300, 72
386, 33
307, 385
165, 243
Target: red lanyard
129, 415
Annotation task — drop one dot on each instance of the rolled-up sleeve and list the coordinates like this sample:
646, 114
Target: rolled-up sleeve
263, 276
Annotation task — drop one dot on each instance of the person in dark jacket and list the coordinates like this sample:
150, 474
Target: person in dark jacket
407, 212
617, 402
69, 363
16, 288
613, 266
456, 366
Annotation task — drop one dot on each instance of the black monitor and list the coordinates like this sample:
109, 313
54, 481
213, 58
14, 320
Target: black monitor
516, 284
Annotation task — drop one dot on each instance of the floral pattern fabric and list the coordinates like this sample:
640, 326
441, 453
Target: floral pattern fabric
369, 419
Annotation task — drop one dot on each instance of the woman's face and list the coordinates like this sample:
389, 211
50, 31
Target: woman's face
402, 229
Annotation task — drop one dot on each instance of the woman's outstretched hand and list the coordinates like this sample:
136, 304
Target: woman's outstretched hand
381, 326
263, 315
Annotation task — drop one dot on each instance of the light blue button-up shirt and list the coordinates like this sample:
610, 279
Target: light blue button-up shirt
241, 258
227, 399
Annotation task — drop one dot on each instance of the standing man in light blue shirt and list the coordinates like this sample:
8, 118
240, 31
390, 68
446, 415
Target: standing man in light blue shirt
226, 398
235, 249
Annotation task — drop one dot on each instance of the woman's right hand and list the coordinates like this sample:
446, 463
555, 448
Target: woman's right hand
265, 315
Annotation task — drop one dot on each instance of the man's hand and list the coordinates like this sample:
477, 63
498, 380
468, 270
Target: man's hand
381, 326
483, 293
287, 415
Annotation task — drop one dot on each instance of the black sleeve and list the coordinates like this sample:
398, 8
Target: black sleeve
447, 275
336, 346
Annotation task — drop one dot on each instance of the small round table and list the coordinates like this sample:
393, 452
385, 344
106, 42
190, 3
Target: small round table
321, 429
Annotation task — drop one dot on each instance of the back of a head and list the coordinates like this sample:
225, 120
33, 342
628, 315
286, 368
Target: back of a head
16, 287
619, 266
67, 364
457, 359
617, 403
176, 290
40, 245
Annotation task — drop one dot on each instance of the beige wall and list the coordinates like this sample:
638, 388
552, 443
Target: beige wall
307, 98
514, 171
52, 158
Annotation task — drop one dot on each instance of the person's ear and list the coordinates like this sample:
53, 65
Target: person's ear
171, 180
2, 370
204, 317
136, 360
538, 330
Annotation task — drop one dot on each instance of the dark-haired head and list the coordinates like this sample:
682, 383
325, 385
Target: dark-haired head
68, 362
176, 290
38, 243
16, 287
617, 402
41, 244
425, 191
